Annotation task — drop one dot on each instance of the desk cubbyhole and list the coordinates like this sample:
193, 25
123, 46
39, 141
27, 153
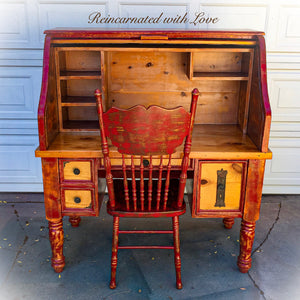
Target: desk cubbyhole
72, 62
220, 64
80, 118
78, 92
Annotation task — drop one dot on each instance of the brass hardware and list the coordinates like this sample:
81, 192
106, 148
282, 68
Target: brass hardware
146, 162
221, 184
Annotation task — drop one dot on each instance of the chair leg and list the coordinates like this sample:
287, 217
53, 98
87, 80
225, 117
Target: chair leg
114, 255
177, 251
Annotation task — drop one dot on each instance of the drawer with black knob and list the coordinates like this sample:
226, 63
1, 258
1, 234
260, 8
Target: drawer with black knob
80, 170
78, 200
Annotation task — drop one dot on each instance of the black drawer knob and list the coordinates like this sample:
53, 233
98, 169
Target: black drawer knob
146, 162
76, 171
77, 200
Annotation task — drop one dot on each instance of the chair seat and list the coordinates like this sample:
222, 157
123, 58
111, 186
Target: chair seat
170, 210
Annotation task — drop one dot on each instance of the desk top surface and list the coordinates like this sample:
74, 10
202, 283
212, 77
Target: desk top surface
208, 142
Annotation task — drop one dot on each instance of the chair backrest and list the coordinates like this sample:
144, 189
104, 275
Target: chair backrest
146, 138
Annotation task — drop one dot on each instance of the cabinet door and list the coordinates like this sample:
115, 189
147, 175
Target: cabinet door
219, 188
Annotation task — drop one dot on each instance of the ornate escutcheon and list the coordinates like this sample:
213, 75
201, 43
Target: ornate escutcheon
221, 183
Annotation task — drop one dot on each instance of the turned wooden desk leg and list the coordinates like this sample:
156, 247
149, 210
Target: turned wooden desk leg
246, 242
53, 211
74, 220
251, 212
228, 222
56, 236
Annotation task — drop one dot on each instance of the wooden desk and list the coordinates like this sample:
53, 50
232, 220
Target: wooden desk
231, 133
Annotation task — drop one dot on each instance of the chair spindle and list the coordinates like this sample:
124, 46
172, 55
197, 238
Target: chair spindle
150, 184
134, 197
159, 183
142, 198
125, 182
167, 183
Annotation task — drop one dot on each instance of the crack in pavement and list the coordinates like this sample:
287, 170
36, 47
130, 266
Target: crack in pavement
18, 217
15, 260
269, 232
20, 247
257, 286
259, 246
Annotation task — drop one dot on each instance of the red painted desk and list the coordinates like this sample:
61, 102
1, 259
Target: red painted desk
230, 138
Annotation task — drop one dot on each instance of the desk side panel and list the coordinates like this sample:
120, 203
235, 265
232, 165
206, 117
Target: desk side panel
47, 111
259, 109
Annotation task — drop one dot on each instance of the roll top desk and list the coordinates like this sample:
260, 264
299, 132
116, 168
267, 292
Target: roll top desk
232, 124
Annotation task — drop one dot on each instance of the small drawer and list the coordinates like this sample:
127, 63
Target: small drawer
78, 198
220, 188
81, 201
76, 170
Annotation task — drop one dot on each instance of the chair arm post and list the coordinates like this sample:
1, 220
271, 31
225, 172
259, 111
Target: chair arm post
105, 150
187, 148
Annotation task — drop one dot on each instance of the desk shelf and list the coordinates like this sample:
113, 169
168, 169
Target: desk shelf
220, 76
64, 75
78, 101
81, 125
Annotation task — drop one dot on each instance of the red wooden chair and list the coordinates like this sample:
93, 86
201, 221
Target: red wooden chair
146, 140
